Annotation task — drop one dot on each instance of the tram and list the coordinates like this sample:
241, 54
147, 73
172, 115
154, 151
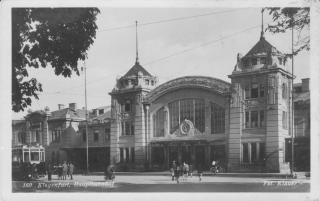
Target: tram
25, 153
28, 162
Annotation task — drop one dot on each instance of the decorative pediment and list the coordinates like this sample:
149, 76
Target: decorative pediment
185, 129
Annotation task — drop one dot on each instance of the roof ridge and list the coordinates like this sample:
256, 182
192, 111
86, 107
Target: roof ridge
135, 69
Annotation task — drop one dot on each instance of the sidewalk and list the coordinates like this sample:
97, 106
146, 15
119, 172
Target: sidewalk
300, 175
166, 179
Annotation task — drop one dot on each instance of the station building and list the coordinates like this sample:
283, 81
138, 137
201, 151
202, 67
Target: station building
196, 119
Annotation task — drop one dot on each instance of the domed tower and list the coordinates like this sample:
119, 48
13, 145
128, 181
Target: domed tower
128, 128
260, 110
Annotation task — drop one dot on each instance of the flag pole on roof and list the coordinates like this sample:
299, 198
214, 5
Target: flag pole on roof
137, 56
262, 29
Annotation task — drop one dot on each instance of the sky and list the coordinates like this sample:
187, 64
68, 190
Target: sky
172, 42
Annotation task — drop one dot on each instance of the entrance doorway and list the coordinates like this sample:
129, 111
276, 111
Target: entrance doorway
186, 154
173, 154
200, 157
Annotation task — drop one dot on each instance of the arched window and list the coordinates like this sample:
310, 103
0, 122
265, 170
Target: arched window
190, 109
284, 91
217, 119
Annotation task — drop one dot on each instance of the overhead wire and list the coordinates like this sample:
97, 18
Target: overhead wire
176, 53
167, 20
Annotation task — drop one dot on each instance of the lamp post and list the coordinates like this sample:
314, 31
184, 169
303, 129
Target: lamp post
292, 103
86, 117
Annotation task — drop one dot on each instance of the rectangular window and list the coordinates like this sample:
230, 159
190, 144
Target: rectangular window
217, 119
262, 120
174, 116
34, 156
284, 120
147, 82
280, 61
245, 153
107, 133
122, 128
245, 62
127, 155
261, 151
247, 124
261, 90
132, 154
263, 60
158, 123
254, 119
199, 120
186, 110
127, 128
247, 92
127, 106
254, 61
96, 136
284, 91
26, 157
101, 111
254, 90
254, 155
132, 128
121, 155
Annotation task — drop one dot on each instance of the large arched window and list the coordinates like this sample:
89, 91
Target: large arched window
159, 123
217, 119
191, 109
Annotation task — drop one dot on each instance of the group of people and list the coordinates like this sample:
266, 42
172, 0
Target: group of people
63, 170
184, 170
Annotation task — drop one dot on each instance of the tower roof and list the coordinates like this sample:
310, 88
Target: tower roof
262, 46
134, 70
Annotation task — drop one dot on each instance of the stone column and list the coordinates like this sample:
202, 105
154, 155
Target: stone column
140, 137
114, 133
235, 128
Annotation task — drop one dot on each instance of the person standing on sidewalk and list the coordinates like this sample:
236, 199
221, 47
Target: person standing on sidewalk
64, 170
200, 172
173, 168
71, 168
49, 171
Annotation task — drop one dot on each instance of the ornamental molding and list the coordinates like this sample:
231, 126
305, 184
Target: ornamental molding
213, 84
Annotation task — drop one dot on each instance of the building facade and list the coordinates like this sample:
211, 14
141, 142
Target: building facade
195, 119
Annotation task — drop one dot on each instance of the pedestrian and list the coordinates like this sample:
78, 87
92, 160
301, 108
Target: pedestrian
177, 173
71, 169
59, 171
110, 174
173, 167
68, 169
190, 170
200, 171
64, 170
49, 171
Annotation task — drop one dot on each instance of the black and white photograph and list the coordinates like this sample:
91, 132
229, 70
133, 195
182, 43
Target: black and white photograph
113, 99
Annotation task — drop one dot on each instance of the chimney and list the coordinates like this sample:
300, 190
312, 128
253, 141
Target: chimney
73, 106
60, 106
305, 84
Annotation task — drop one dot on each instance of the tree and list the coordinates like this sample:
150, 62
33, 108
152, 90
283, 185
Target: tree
56, 37
298, 18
